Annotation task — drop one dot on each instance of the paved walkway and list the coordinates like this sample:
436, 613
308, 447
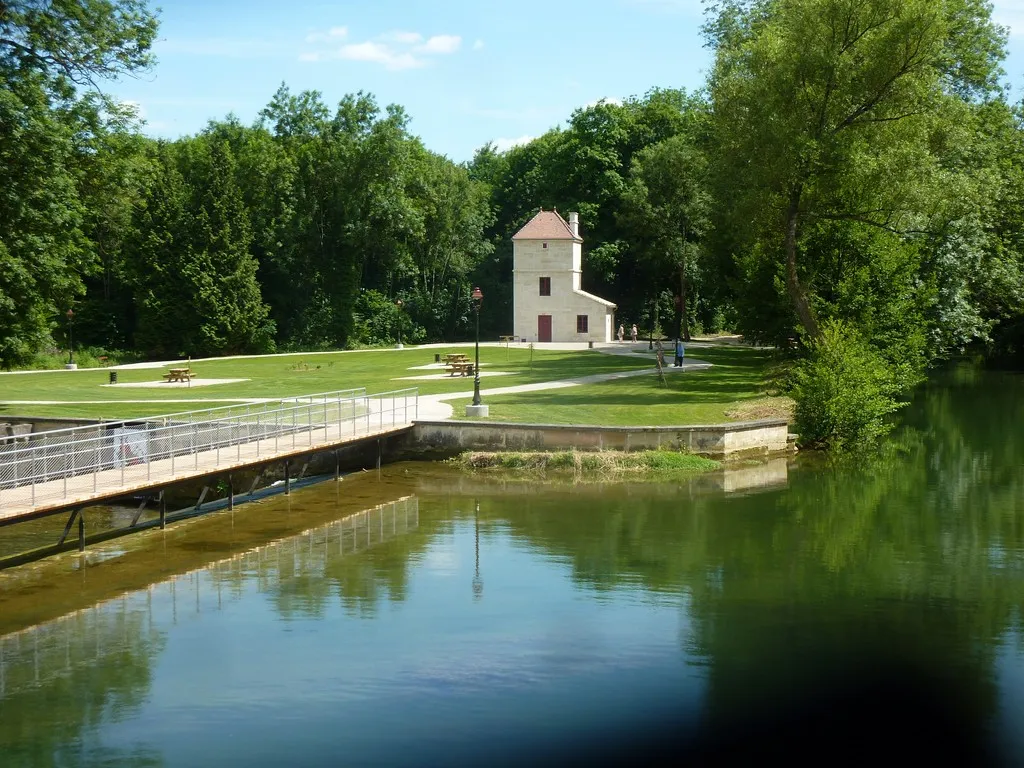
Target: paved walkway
436, 407
613, 346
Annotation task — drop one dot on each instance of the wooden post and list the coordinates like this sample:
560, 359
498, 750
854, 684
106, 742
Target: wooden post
231, 493
81, 531
287, 478
163, 511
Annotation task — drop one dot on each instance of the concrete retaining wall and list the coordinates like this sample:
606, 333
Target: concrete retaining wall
715, 440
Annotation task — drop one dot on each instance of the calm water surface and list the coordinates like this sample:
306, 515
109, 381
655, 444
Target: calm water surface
420, 616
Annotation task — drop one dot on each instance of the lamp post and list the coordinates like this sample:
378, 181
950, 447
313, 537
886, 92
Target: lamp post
398, 303
478, 299
650, 343
71, 342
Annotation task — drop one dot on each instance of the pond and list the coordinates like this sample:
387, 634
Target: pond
420, 616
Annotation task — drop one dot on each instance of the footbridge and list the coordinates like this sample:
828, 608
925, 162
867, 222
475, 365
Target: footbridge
47, 473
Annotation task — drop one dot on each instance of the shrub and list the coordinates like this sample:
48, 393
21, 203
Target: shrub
844, 391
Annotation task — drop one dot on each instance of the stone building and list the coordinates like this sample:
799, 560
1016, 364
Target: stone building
547, 302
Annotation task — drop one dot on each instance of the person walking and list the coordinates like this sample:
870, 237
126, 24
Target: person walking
622, 332
680, 351
633, 332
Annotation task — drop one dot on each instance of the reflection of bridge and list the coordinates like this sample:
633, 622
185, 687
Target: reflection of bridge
132, 623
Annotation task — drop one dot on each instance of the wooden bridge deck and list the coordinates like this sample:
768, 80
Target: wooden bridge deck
50, 497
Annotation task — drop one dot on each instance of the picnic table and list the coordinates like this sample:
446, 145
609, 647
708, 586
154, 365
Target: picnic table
458, 363
179, 374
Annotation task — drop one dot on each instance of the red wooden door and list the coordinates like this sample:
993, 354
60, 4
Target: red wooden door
543, 327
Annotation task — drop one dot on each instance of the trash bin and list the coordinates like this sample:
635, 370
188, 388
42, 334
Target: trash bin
437, 358
113, 377
590, 345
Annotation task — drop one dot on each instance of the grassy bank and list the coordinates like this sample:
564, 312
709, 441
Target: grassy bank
734, 388
602, 464
84, 393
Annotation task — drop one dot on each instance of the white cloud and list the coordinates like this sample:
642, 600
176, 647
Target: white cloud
379, 53
503, 145
440, 44
478, 44
395, 50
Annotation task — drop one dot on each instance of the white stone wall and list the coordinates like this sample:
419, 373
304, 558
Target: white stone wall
560, 261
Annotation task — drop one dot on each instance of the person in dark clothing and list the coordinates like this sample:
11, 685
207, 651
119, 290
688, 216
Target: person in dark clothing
680, 351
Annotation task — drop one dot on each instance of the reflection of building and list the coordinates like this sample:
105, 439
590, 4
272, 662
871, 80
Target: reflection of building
548, 303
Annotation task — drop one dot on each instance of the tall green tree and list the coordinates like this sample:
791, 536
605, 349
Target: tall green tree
666, 207
52, 55
195, 278
829, 113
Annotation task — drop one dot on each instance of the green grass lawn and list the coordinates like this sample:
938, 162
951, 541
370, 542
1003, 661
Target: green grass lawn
732, 389
377, 371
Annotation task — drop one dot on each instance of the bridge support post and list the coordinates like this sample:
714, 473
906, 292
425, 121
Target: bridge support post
231, 493
378, 454
287, 478
163, 511
337, 466
67, 528
81, 531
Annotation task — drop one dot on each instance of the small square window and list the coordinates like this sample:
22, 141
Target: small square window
545, 286
545, 245
582, 324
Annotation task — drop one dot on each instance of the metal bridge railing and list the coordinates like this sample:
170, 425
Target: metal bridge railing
42, 469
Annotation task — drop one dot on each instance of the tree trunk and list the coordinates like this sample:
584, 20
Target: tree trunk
797, 294
684, 323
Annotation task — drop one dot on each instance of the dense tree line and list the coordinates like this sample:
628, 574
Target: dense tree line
848, 178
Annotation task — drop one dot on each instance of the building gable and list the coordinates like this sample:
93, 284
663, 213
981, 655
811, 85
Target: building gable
547, 225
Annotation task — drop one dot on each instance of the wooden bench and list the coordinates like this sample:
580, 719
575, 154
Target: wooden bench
179, 374
463, 368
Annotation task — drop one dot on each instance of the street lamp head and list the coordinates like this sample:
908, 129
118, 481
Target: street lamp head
398, 303
478, 295
71, 313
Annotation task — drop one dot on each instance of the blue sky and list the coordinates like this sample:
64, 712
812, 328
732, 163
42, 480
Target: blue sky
466, 71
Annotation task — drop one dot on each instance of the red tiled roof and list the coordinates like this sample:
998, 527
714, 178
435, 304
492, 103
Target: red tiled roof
546, 225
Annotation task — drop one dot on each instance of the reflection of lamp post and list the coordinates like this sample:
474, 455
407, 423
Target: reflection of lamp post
478, 299
398, 303
478, 583
71, 342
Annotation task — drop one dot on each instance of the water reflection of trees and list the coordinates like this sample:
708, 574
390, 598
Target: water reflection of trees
62, 680
914, 555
